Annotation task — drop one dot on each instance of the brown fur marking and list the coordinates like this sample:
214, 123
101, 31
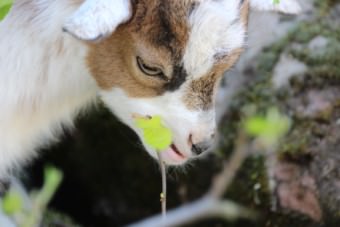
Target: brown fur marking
158, 33
201, 92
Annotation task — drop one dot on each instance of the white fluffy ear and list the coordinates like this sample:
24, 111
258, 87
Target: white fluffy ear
97, 18
284, 6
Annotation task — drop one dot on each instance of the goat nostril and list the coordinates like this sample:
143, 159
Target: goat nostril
196, 149
201, 147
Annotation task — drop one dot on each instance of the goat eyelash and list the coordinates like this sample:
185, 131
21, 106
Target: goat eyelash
149, 70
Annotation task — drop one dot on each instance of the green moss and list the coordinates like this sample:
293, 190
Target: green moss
324, 6
323, 69
252, 192
296, 142
306, 31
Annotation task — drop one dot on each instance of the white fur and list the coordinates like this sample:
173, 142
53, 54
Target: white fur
285, 6
215, 30
173, 111
98, 18
40, 89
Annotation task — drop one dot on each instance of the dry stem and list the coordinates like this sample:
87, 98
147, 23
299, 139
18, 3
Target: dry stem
210, 205
163, 194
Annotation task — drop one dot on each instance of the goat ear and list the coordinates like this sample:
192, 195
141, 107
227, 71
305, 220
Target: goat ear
284, 6
96, 19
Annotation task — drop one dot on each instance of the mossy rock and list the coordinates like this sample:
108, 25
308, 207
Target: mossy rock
311, 140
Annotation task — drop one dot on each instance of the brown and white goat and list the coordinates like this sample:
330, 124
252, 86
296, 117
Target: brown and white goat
146, 57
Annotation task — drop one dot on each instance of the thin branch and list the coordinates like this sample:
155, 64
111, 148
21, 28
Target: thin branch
209, 205
205, 207
223, 180
164, 193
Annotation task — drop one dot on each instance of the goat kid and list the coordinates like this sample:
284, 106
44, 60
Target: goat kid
146, 57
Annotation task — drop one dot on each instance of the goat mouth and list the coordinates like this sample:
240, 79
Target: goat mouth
173, 156
175, 149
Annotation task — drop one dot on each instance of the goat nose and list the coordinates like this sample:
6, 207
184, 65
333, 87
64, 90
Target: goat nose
199, 148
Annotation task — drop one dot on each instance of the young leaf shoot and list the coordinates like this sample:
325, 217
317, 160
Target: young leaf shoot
155, 134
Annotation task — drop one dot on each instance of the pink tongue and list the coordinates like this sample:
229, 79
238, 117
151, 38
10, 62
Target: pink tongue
174, 148
170, 154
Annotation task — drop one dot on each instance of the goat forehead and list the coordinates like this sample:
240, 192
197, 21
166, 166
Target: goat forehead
163, 23
215, 30
194, 32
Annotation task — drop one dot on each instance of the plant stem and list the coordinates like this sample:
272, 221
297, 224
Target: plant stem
210, 205
163, 194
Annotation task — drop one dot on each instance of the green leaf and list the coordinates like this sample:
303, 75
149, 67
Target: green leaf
5, 6
12, 203
255, 125
269, 128
155, 134
40, 199
52, 179
276, 2
5, 2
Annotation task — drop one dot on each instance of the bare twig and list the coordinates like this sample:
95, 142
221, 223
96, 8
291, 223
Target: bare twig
211, 204
224, 179
163, 194
203, 208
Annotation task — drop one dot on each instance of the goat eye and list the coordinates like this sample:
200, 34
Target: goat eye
150, 70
